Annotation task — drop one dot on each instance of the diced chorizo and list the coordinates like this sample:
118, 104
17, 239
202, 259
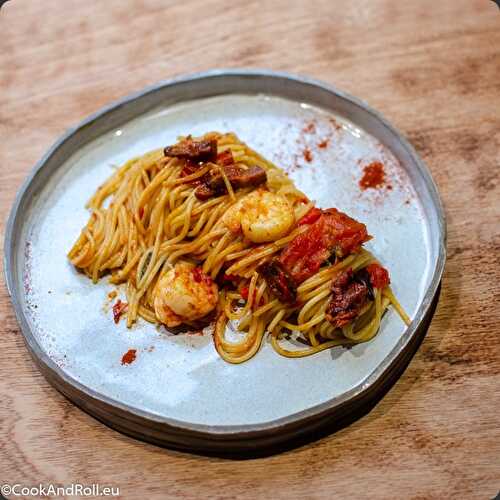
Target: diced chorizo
238, 175
189, 149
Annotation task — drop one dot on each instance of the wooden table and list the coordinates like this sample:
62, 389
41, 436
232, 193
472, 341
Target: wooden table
433, 69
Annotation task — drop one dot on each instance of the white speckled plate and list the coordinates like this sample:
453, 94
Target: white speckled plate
178, 391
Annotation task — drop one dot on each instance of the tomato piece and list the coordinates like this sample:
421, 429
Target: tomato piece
333, 231
379, 276
344, 231
312, 216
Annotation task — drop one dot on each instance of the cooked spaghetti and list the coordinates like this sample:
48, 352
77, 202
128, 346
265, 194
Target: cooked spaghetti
207, 230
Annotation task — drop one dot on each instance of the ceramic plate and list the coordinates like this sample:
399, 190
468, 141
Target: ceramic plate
178, 391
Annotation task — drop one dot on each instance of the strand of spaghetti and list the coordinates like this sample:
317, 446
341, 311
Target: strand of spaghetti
145, 177
266, 307
277, 318
104, 250
236, 347
79, 258
212, 221
142, 206
132, 240
310, 304
123, 224
238, 359
137, 188
199, 224
157, 218
152, 274
110, 185
91, 244
229, 188
362, 261
307, 352
268, 250
81, 247
311, 336
303, 298
147, 314
232, 315
154, 253
304, 326
237, 255
169, 169
215, 251
130, 293
209, 204
178, 215
195, 245
260, 292
239, 347
187, 220
116, 260
219, 259
387, 291
190, 178
123, 273
143, 264
176, 194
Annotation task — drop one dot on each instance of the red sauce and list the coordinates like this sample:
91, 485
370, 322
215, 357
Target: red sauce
118, 309
373, 176
310, 128
379, 277
307, 155
199, 276
129, 357
323, 144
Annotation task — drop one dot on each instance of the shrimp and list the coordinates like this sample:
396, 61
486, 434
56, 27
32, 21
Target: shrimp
184, 293
261, 215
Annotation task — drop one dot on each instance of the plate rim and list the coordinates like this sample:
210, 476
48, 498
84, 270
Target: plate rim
243, 431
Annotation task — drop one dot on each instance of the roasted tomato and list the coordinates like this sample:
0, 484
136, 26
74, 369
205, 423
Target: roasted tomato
312, 216
379, 276
332, 232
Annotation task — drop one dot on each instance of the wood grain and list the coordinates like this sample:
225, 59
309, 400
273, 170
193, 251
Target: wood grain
433, 69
